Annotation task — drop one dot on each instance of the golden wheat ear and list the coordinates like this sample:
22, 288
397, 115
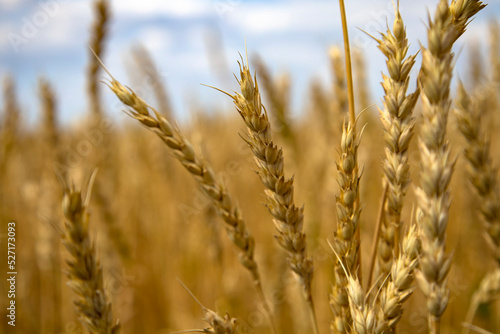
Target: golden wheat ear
437, 165
85, 273
204, 175
288, 218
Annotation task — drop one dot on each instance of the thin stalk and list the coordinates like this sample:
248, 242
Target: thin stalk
312, 314
265, 305
377, 235
348, 66
350, 98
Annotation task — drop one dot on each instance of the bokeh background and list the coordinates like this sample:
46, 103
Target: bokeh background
150, 223
198, 41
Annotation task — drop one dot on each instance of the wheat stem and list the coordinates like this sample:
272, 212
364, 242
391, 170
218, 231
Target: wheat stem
203, 173
377, 236
288, 218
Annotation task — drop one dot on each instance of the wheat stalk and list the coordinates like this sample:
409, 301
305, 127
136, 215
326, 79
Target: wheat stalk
488, 291
482, 172
347, 237
494, 53
345, 243
146, 63
433, 196
84, 271
10, 120
398, 122
361, 79
339, 80
98, 37
278, 94
203, 173
288, 218
49, 126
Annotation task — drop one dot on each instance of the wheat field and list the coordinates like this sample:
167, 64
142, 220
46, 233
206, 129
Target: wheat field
363, 214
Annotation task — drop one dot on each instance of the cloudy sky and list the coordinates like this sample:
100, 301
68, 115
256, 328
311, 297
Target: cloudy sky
49, 38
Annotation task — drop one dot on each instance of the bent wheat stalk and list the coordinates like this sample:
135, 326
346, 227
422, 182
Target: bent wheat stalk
203, 173
288, 218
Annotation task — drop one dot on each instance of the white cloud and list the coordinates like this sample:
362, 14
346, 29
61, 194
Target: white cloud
44, 28
155, 39
185, 8
262, 18
10, 5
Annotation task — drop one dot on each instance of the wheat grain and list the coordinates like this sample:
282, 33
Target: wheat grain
399, 286
364, 318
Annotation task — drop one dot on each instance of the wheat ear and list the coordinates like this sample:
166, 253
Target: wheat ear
347, 237
398, 122
146, 63
84, 271
204, 175
483, 176
339, 81
482, 172
433, 196
362, 314
494, 53
345, 244
288, 218
98, 36
10, 121
277, 92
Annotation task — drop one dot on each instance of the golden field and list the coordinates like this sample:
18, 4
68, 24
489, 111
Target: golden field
151, 225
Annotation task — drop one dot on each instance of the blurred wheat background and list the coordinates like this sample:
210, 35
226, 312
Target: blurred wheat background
152, 225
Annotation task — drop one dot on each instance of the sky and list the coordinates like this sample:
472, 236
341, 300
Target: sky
50, 38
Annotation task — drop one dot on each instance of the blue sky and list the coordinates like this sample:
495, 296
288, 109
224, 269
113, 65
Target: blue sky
50, 38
